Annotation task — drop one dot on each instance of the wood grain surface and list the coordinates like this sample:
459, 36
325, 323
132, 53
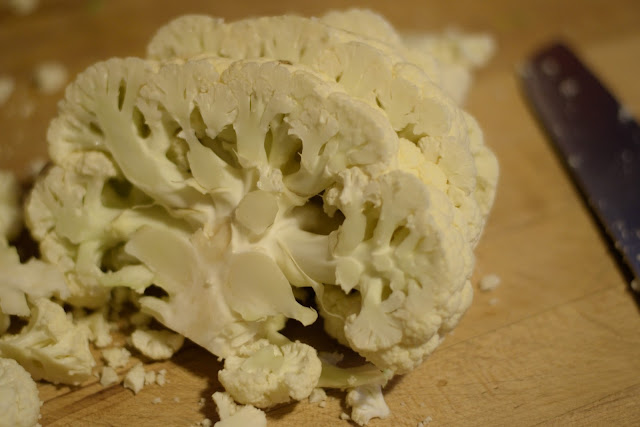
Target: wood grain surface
558, 343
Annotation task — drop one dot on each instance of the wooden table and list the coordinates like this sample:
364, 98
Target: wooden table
561, 342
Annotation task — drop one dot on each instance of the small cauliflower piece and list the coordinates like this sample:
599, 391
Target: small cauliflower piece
264, 374
318, 395
489, 282
234, 415
150, 378
161, 377
135, 378
7, 85
156, 344
98, 326
50, 346
116, 357
367, 402
109, 376
19, 400
50, 77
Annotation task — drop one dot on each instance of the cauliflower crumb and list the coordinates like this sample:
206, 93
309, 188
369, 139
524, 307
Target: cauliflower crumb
22, 7
116, 357
635, 285
7, 85
150, 378
206, 422
317, 395
161, 377
156, 400
109, 376
424, 422
50, 77
202, 402
176, 399
19, 400
323, 404
233, 415
134, 380
344, 416
489, 282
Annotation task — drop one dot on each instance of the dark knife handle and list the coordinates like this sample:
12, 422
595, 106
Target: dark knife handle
598, 139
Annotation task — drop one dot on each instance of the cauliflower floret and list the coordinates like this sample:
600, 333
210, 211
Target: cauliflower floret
156, 345
50, 346
367, 402
19, 401
233, 415
264, 374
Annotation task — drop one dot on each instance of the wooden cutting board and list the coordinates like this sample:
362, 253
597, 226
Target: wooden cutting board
557, 343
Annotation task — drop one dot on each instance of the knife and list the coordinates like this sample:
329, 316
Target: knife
597, 138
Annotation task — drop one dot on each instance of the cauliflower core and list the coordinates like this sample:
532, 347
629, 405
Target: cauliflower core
244, 160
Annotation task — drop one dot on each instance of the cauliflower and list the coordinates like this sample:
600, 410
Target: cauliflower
156, 345
116, 357
98, 326
367, 402
233, 415
266, 374
135, 378
50, 346
19, 401
242, 161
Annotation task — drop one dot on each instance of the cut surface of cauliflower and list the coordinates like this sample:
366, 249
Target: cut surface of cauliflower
234, 415
50, 346
156, 344
19, 400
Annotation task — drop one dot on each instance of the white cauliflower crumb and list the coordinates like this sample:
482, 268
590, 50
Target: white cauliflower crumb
161, 377
201, 402
323, 404
318, 395
7, 86
425, 422
134, 380
176, 399
344, 416
109, 376
98, 326
22, 7
50, 77
234, 415
19, 400
489, 282
206, 422
150, 378
635, 285
116, 357
367, 402
156, 400
156, 345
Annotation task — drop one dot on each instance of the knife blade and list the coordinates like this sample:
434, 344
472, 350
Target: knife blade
597, 138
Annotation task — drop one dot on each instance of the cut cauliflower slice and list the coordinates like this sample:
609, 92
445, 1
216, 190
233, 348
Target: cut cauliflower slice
234, 415
50, 346
19, 400
264, 374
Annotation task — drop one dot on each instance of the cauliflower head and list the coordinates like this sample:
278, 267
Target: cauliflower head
242, 160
